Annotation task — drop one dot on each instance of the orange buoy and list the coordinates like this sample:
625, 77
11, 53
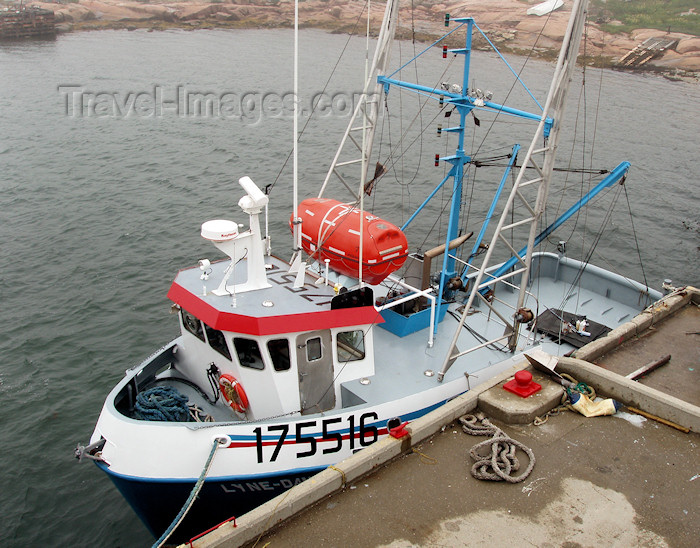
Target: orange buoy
331, 230
233, 393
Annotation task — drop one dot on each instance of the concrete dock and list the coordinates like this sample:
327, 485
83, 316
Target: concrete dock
621, 480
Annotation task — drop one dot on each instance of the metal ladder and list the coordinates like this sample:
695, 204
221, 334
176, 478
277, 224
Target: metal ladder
531, 192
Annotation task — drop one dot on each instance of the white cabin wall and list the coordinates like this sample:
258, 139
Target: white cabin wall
355, 369
273, 392
196, 352
269, 392
284, 388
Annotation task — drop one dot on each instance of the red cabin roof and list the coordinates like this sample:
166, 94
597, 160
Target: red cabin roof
305, 308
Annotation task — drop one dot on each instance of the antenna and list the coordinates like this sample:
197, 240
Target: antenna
296, 223
237, 245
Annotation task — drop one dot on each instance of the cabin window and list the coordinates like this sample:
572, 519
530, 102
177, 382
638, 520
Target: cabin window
192, 324
351, 345
313, 349
279, 353
248, 353
217, 341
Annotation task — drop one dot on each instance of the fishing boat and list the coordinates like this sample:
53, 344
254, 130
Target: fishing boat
285, 367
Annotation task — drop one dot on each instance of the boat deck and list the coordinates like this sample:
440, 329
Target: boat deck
408, 365
620, 480
403, 361
285, 299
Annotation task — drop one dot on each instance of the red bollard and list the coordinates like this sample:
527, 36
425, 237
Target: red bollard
522, 385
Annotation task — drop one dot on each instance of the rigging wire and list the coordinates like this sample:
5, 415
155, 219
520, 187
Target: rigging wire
636, 241
586, 260
268, 188
581, 106
438, 219
512, 87
420, 109
564, 190
470, 177
404, 185
392, 155
391, 158
583, 147
401, 130
471, 183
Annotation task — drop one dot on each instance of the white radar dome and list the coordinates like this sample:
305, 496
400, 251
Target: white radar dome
219, 230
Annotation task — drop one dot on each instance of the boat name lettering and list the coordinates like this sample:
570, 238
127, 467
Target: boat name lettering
287, 280
252, 486
301, 433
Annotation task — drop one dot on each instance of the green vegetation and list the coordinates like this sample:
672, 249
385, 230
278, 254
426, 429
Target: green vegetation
617, 16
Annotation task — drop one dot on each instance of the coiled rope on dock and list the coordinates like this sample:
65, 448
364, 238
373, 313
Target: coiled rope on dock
502, 461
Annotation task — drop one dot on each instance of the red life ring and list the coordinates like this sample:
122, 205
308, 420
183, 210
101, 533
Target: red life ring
233, 393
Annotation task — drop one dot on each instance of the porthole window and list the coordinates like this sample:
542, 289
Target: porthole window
217, 341
351, 345
192, 324
279, 354
248, 353
313, 349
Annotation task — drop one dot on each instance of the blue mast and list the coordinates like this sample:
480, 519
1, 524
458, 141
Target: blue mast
457, 161
464, 103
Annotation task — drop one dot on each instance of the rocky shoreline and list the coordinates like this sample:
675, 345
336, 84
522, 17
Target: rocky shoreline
509, 27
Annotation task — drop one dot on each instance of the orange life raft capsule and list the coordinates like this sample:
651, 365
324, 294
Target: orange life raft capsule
331, 230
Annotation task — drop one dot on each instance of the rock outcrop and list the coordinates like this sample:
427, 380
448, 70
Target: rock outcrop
506, 20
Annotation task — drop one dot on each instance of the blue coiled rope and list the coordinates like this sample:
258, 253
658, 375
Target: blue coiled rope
162, 403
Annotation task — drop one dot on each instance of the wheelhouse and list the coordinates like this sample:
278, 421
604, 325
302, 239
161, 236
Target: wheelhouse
287, 372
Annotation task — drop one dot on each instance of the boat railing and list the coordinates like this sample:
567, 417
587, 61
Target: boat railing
414, 293
492, 281
147, 371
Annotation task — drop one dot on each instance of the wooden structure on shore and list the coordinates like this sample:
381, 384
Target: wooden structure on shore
646, 51
25, 22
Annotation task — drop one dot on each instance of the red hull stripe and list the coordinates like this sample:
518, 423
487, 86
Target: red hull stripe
271, 325
318, 438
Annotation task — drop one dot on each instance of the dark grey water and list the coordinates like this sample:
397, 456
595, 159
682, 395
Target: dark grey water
106, 177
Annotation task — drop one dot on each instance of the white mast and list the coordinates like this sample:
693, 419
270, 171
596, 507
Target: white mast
296, 231
363, 171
